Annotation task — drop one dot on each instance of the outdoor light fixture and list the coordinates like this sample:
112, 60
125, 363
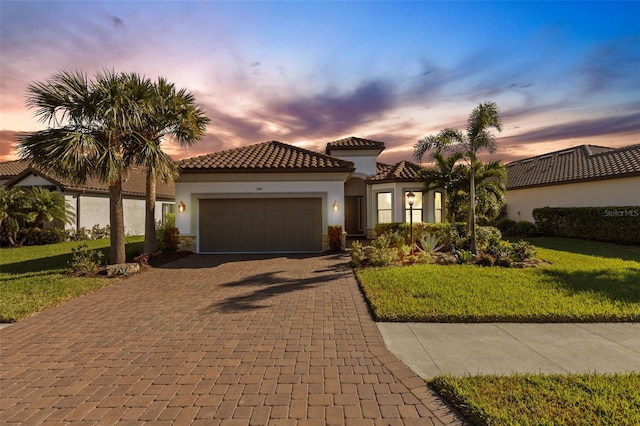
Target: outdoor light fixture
411, 198
335, 206
181, 207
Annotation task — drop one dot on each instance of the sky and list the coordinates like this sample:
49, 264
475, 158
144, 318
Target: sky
306, 73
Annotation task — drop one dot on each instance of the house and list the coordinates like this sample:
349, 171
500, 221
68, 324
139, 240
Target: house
275, 197
90, 201
583, 176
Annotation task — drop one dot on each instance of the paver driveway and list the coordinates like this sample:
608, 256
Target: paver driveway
214, 340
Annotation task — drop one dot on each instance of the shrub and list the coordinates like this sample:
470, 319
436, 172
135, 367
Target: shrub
506, 226
335, 237
485, 260
380, 253
486, 235
525, 229
429, 243
464, 256
357, 254
614, 224
167, 235
41, 237
84, 261
499, 249
505, 262
521, 251
79, 234
449, 238
98, 232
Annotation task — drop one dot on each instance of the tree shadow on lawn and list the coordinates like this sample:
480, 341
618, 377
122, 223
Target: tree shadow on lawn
586, 247
621, 286
271, 284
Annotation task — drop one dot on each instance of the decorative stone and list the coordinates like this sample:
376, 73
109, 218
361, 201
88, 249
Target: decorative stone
122, 269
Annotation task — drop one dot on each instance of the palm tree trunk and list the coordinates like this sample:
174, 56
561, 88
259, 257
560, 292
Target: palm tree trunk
472, 215
150, 244
116, 218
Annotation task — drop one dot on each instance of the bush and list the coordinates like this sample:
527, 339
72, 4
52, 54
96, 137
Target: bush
79, 234
429, 243
506, 226
98, 232
84, 261
167, 235
486, 235
380, 253
41, 237
357, 254
485, 260
335, 238
614, 224
499, 249
521, 251
464, 256
525, 229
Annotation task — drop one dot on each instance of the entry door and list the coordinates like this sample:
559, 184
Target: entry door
354, 215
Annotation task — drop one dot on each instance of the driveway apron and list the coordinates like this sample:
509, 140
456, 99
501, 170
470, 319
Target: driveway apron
246, 340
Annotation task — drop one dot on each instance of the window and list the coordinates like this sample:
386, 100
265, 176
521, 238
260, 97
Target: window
167, 208
437, 207
417, 207
384, 207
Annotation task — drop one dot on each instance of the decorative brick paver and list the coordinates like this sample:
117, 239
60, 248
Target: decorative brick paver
238, 340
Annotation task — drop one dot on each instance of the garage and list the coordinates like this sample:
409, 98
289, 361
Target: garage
260, 225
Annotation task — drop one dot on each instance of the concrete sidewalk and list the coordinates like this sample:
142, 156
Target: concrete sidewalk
500, 348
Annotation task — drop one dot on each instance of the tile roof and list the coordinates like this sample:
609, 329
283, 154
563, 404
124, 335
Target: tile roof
352, 143
9, 169
270, 156
581, 163
404, 171
134, 183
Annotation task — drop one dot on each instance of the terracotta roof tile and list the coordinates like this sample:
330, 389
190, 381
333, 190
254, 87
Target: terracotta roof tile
584, 162
404, 171
134, 183
9, 169
352, 143
270, 156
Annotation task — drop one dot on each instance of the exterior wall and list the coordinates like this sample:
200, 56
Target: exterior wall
363, 160
190, 188
612, 192
397, 190
34, 180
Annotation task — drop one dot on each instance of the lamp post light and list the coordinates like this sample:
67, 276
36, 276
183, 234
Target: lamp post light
411, 197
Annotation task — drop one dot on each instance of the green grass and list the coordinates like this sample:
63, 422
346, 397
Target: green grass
35, 278
576, 287
587, 399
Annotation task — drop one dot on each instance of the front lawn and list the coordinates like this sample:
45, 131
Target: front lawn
575, 287
529, 399
34, 278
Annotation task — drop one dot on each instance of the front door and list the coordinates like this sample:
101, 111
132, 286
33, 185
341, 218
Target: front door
354, 215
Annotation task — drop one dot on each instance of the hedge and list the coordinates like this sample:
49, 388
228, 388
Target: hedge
619, 224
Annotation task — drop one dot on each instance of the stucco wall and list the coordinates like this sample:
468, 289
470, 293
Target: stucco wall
191, 188
612, 192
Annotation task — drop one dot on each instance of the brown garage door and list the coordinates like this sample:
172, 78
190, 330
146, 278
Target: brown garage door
261, 225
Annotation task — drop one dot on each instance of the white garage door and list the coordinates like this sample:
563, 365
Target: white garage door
261, 225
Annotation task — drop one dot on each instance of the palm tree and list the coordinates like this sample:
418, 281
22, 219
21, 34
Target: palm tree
490, 181
484, 117
45, 206
13, 202
171, 114
445, 175
89, 124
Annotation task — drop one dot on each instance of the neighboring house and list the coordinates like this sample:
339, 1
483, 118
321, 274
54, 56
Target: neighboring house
583, 176
90, 201
275, 197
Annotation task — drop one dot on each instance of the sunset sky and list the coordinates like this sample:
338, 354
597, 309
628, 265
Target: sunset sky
305, 73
